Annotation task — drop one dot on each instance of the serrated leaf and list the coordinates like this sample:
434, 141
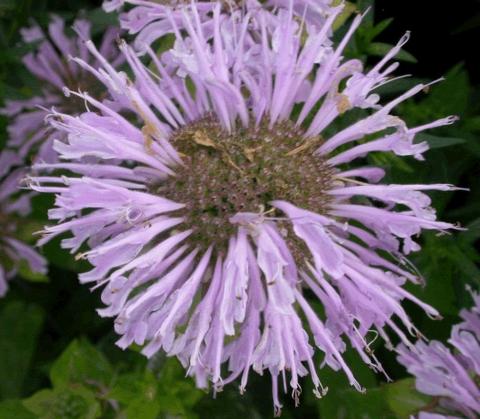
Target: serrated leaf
81, 363
403, 399
175, 386
143, 395
131, 386
137, 395
64, 403
20, 325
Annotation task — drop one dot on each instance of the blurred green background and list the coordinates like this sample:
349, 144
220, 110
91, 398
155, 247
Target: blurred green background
57, 357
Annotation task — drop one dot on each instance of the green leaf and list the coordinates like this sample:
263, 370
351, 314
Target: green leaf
179, 395
343, 401
143, 395
350, 404
379, 28
138, 395
81, 363
166, 43
362, 6
15, 409
451, 96
445, 262
390, 161
64, 403
379, 49
229, 403
434, 141
347, 11
399, 86
403, 399
20, 325
466, 264
100, 20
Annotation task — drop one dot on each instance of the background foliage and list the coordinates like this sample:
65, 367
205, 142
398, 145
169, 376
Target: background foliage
57, 357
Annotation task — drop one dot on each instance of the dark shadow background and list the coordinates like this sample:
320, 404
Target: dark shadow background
443, 33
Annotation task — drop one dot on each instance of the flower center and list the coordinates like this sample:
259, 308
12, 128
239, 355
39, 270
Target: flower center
243, 171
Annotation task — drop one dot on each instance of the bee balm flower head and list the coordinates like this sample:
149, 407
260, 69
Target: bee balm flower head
150, 21
50, 63
451, 376
214, 220
13, 205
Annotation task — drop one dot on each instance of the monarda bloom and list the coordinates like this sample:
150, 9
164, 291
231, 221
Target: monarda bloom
14, 205
150, 20
234, 202
451, 376
50, 63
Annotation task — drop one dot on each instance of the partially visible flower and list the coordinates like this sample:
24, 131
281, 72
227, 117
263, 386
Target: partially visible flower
150, 20
50, 63
451, 375
214, 221
428, 415
13, 205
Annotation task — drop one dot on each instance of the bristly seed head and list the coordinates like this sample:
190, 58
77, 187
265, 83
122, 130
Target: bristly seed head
243, 171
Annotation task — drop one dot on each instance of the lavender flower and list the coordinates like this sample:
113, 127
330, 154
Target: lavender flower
14, 204
211, 221
151, 20
451, 376
50, 63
